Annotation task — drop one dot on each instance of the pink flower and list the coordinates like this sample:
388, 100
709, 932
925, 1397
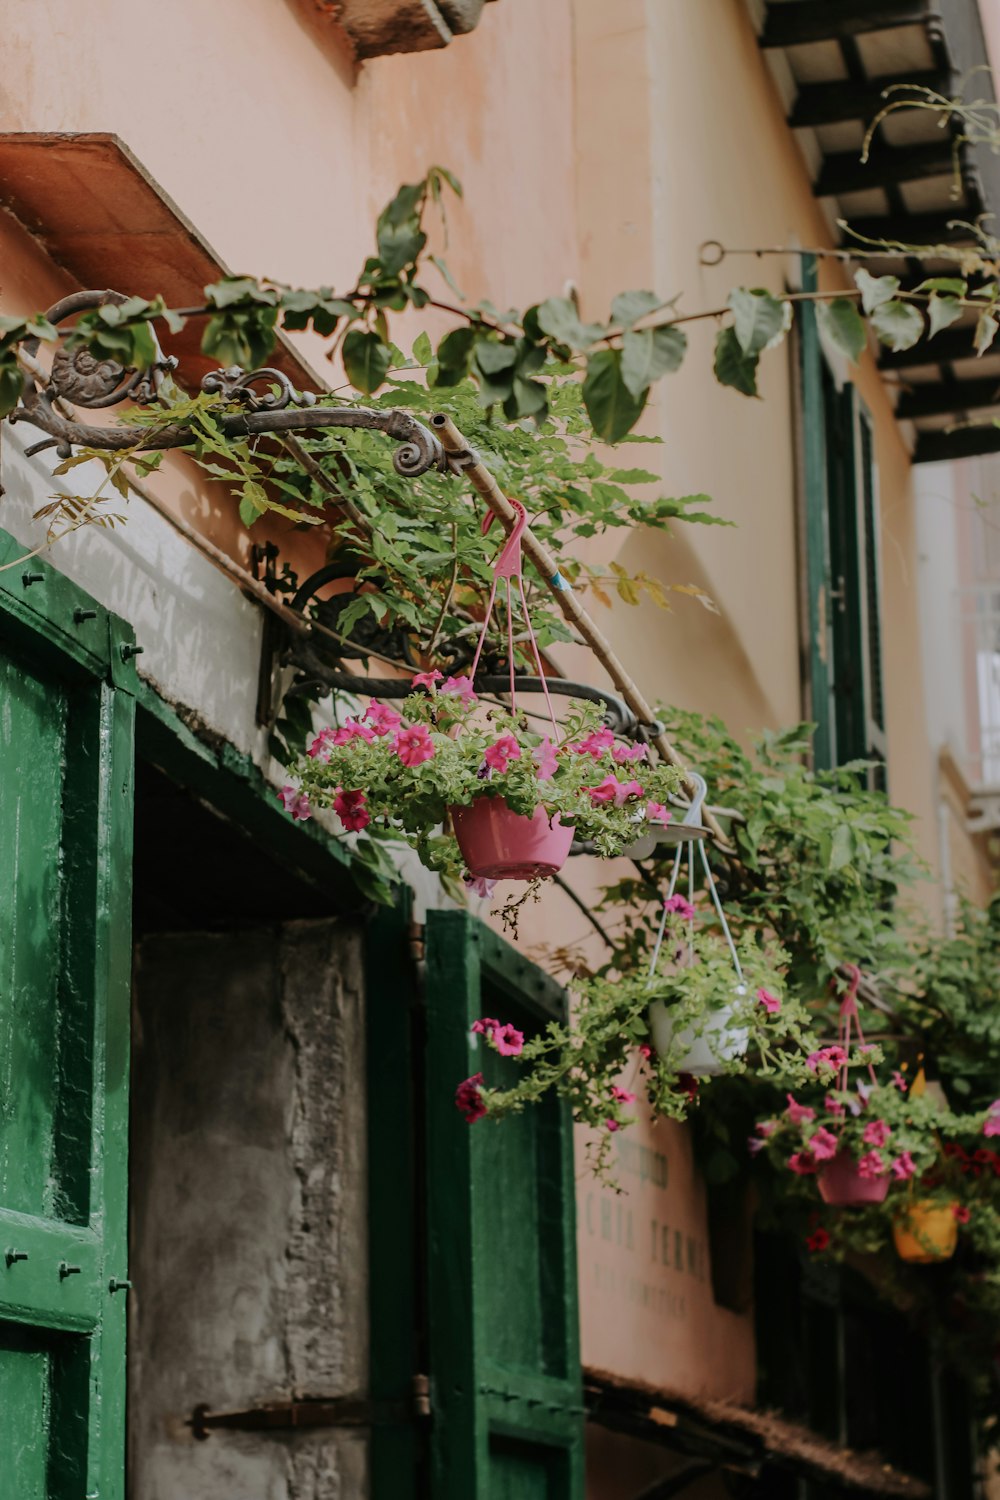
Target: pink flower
296, 803
876, 1133
766, 1127
799, 1114
754, 1145
871, 1165
644, 1050
962, 1215
414, 745
545, 760
622, 1095
826, 1057
824, 1144
505, 749
770, 1002
351, 730
351, 810
680, 906
903, 1167
479, 885
622, 753
899, 1081
656, 812
469, 1100
818, 1241
382, 718
613, 790
461, 687
426, 679
992, 1126
612, 1125
486, 1026
508, 1041
595, 744
321, 743
833, 1105
802, 1163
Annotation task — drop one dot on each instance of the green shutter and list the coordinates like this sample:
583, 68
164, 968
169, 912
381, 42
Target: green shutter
66, 737
815, 540
504, 1350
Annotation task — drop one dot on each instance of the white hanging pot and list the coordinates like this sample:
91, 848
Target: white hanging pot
709, 1044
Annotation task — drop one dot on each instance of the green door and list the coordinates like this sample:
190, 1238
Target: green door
507, 1418
65, 836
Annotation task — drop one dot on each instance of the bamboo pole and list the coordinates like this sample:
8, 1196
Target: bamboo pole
485, 485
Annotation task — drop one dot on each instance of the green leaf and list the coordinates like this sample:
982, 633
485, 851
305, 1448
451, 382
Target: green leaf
649, 353
611, 406
732, 366
558, 317
952, 284
422, 351
11, 384
493, 356
366, 360
943, 311
454, 353
898, 324
628, 307
986, 332
843, 325
759, 320
875, 289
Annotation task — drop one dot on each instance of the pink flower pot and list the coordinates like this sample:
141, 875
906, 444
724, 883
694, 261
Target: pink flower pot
498, 844
840, 1183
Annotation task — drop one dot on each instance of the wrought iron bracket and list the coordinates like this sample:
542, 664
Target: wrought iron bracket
313, 1413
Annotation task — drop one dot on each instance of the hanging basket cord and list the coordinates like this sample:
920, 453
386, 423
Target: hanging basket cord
849, 1018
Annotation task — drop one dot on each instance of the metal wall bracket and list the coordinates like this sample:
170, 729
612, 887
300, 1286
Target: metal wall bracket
313, 1413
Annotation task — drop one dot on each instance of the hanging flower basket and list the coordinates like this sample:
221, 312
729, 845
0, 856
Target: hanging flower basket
500, 844
926, 1231
709, 1044
843, 1182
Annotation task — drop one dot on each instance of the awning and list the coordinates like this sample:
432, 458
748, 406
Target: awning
738, 1438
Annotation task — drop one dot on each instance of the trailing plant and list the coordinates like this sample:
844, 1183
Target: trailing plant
396, 774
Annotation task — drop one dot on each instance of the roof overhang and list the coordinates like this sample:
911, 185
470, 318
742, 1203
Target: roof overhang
832, 60
98, 213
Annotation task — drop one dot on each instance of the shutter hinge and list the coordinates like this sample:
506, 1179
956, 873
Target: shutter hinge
333, 1411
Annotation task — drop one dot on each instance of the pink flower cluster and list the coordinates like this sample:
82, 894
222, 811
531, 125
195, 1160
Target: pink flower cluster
831, 1058
469, 1100
507, 1040
295, 803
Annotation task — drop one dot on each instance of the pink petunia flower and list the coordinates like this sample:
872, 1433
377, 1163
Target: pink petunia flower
771, 1003
499, 755
414, 745
622, 1095
351, 810
644, 1050
382, 718
824, 1144
755, 1144
833, 1105
459, 687
799, 1114
321, 744
826, 1057
469, 1100
485, 1026
876, 1133
426, 679
545, 760
295, 803
595, 744
903, 1167
818, 1241
479, 885
992, 1126
765, 1128
680, 906
871, 1165
351, 730
657, 812
802, 1163
613, 790
899, 1081
612, 1125
623, 753
962, 1214
508, 1041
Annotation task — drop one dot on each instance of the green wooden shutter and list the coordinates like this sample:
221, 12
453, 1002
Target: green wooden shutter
505, 1369
815, 540
66, 736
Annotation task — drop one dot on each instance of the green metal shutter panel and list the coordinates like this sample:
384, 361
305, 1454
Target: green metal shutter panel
65, 858
504, 1345
815, 540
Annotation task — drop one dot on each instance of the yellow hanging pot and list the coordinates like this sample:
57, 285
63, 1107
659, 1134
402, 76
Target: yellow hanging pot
926, 1231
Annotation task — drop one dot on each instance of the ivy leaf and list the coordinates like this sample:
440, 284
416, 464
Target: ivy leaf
628, 307
649, 353
759, 320
951, 284
492, 356
875, 290
611, 406
986, 331
897, 324
843, 325
558, 317
734, 367
232, 289
453, 355
943, 311
366, 360
422, 350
